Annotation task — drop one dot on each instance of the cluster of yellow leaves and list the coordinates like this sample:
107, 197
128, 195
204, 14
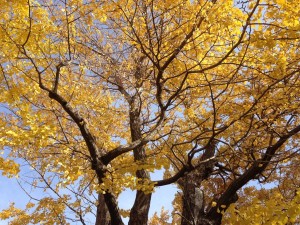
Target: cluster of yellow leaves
121, 174
275, 210
161, 219
46, 211
250, 90
9, 167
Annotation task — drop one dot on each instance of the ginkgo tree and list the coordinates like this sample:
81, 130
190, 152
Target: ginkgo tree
97, 95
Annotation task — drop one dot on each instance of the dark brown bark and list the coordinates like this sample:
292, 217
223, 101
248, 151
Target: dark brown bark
113, 209
193, 199
102, 217
97, 165
139, 211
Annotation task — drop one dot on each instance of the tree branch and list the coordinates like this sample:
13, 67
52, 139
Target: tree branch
257, 168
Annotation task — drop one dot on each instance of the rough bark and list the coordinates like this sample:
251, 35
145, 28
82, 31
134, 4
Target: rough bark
193, 212
139, 211
110, 203
113, 209
102, 217
192, 196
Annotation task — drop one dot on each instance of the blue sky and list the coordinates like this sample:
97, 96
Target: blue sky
10, 191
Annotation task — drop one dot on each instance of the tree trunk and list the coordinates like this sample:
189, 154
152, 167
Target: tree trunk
139, 211
193, 201
102, 217
107, 202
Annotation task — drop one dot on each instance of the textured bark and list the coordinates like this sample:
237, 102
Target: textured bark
113, 209
193, 201
193, 213
139, 211
111, 204
103, 217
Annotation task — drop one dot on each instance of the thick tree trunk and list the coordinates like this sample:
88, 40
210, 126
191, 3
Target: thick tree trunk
193, 203
113, 209
139, 211
111, 205
193, 200
103, 217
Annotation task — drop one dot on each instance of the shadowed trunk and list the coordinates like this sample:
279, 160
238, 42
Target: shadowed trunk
193, 200
103, 217
139, 211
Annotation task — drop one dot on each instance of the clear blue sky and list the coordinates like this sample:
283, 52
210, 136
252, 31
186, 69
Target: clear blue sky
10, 191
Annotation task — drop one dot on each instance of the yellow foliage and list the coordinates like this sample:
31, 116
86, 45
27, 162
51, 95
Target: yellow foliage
96, 95
275, 210
161, 219
9, 167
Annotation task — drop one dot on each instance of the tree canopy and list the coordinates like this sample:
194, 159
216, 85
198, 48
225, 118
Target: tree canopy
98, 94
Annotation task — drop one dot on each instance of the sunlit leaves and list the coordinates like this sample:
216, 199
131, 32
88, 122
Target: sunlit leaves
47, 211
273, 210
189, 72
8, 167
